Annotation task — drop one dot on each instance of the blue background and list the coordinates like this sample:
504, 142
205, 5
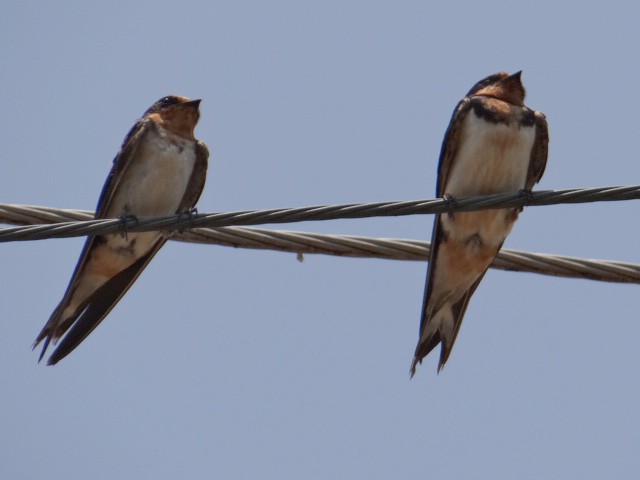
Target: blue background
239, 364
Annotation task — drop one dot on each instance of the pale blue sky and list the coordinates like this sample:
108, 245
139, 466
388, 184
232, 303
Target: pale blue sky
224, 363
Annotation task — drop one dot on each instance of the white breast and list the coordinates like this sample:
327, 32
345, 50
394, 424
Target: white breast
491, 157
154, 185
156, 179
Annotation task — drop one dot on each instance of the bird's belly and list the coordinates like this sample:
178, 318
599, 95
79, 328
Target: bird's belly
492, 158
475, 230
154, 185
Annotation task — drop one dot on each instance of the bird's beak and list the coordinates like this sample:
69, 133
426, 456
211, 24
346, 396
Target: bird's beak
193, 103
515, 76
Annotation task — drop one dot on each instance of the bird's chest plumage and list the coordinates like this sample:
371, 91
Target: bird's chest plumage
153, 184
157, 178
491, 158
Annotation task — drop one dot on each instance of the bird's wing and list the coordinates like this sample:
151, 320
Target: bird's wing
539, 151
197, 180
447, 154
54, 328
89, 315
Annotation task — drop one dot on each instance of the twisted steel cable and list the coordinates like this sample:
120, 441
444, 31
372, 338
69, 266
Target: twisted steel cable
322, 212
348, 245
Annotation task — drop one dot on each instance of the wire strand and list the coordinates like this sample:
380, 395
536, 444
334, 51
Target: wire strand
315, 213
351, 246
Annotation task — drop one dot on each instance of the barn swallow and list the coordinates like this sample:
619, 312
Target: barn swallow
494, 144
159, 170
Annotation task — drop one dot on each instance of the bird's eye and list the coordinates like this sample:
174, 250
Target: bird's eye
167, 101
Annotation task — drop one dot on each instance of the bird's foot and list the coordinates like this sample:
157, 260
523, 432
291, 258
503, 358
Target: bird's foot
527, 195
125, 219
191, 214
451, 204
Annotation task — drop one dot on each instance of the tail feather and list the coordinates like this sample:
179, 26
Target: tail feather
88, 315
442, 327
89, 318
44, 347
98, 306
52, 330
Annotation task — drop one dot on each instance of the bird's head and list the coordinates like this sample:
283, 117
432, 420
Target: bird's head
502, 86
177, 114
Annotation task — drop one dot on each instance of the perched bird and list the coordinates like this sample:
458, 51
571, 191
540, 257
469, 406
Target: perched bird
494, 144
159, 170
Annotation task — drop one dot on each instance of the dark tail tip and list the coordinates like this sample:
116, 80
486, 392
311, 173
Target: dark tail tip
414, 364
444, 356
59, 353
44, 347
